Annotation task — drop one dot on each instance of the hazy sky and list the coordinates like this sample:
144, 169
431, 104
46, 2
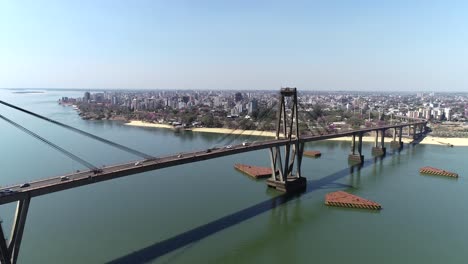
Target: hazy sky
321, 45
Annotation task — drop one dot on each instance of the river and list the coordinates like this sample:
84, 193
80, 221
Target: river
207, 212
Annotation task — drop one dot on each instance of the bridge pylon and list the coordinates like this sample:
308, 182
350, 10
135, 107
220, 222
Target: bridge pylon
9, 251
283, 177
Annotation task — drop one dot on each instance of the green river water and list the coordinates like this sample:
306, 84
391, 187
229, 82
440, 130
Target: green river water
207, 212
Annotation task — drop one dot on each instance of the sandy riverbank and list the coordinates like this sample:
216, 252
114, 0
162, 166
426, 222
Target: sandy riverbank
205, 129
445, 141
235, 132
428, 140
145, 124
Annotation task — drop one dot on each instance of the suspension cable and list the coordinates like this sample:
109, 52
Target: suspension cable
114, 144
265, 113
308, 113
225, 136
56, 147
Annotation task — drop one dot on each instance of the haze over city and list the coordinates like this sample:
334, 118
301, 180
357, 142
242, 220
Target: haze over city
314, 45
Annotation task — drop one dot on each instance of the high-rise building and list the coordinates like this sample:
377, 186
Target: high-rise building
448, 113
253, 106
238, 97
87, 97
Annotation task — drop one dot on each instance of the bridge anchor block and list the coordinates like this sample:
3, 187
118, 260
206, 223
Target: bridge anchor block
396, 144
378, 151
355, 158
293, 184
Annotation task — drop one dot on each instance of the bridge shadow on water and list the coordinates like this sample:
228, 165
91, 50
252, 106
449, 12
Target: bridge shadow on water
182, 240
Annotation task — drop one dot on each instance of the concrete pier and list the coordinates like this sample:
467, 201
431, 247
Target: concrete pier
379, 149
396, 144
356, 158
292, 184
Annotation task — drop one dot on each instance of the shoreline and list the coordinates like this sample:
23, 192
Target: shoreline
429, 140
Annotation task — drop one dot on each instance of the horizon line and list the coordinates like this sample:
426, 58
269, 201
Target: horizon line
205, 89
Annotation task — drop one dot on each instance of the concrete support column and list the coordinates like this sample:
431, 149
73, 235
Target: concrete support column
382, 141
395, 143
400, 135
376, 138
379, 150
360, 144
356, 158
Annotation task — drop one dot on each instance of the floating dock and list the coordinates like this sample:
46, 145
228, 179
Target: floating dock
312, 153
344, 199
254, 171
435, 171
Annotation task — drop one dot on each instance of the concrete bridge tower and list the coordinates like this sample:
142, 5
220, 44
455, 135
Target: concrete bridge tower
284, 177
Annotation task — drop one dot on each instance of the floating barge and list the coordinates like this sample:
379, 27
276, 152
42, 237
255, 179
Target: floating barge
344, 199
254, 171
312, 153
435, 171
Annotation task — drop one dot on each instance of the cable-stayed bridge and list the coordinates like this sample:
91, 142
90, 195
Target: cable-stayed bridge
286, 153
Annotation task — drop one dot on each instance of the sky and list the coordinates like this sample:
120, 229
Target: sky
312, 45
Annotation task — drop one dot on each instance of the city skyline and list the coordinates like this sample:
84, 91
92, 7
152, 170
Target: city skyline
322, 45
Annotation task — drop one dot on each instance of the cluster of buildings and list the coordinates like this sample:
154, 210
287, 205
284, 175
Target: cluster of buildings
431, 106
235, 103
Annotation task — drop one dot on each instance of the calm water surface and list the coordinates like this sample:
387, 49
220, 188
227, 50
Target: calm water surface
207, 212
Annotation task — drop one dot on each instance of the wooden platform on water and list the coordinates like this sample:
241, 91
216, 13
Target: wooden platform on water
312, 153
436, 171
344, 199
254, 171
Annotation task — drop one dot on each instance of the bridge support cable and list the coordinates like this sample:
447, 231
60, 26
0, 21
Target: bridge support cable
76, 130
312, 117
268, 110
260, 120
283, 177
9, 252
237, 135
304, 109
56, 147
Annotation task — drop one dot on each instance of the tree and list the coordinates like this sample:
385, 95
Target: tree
208, 120
317, 111
188, 118
355, 122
